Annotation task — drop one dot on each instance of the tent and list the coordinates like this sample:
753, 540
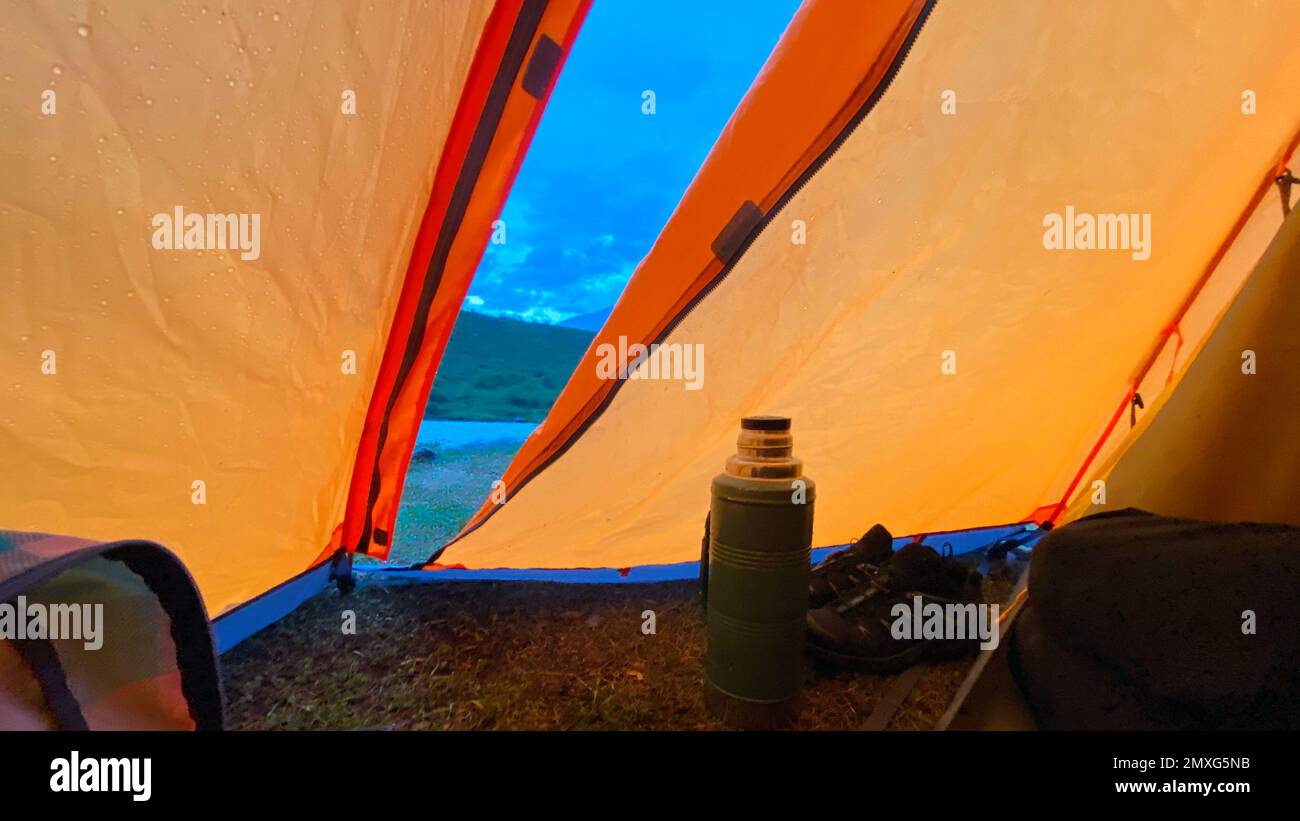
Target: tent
921, 170
254, 409
976, 250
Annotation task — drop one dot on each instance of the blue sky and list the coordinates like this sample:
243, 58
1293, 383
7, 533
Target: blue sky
601, 177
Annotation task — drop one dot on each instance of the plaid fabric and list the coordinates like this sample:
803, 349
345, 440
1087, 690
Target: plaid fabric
141, 656
20, 551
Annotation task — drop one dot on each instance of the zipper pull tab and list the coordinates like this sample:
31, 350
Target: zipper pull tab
1133, 409
1284, 181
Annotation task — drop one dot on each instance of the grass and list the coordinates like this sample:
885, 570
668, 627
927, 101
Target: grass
494, 370
440, 495
520, 655
517, 655
503, 369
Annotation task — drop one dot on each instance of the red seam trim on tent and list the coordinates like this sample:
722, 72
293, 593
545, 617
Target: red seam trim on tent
1172, 327
424, 336
478, 83
1173, 365
525, 137
1060, 506
1041, 514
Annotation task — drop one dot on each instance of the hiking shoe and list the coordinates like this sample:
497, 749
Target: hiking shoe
850, 567
855, 630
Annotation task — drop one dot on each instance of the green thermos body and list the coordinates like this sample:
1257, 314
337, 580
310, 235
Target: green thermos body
760, 534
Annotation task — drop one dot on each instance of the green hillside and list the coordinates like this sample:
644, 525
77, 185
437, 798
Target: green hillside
503, 369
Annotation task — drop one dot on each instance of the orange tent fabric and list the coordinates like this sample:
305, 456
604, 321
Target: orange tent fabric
926, 246
785, 121
452, 237
216, 398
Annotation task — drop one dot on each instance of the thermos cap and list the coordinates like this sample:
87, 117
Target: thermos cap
765, 423
764, 450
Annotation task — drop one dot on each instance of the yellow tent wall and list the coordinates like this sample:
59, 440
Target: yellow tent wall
1222, 446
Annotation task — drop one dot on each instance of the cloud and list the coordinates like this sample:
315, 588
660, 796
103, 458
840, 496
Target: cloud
601, 178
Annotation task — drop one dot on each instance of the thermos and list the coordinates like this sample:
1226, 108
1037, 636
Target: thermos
760, 533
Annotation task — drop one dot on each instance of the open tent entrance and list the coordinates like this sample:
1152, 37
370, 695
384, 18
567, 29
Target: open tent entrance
627, 126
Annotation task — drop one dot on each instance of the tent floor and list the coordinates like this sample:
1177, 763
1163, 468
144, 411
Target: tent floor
522, 655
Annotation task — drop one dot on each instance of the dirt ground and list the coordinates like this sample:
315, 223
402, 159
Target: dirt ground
521, 655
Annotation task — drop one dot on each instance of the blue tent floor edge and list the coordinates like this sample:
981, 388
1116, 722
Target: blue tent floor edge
234, 626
